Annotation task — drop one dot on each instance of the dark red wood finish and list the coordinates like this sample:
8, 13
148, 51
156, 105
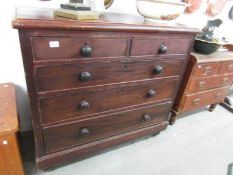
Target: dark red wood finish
152, 46
70, 134
206, 69
106, 99
111, 69
226, 67
82, 151
70, 47
104, 71
207, 81
200, 99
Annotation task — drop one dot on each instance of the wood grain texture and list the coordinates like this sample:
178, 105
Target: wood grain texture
10, 158
67, 76
211, 82
105, 99
214, 57
44, 19
229, 47
207, 81
94, 75
103, 126
31, 88
226, 67
151, 46
8, 111
206, 69
204, 98
43, 48
80, 152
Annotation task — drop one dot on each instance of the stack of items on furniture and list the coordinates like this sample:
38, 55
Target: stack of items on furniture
76, 9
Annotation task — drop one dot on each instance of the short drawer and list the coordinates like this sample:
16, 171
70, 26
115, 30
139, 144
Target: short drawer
205, 83
80, 132
56, 48
78, 75
159, 46
226, 67
208, 69
204, 98
96, 100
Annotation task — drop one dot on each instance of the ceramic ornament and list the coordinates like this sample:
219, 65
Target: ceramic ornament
231, 13
195, 4
215, 7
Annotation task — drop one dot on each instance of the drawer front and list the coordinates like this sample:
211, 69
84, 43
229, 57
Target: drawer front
55, 48
93, 101
208, 69
80, 132
204, 98
199, 84
226, 67
159, 46
99, 73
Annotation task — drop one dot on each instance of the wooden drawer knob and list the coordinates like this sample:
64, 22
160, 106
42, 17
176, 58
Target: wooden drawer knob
230, 67
157, 69
85, 76
84, 105
207, 70
163, 49
202, 84
225, 80
84, 132
146, 118
151, 93
196, 101
86, 51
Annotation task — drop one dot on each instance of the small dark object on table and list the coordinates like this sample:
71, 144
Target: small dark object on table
207, 42
76, 1
70, 6
231, 13
205, 47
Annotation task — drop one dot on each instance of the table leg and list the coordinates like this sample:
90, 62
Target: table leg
212, 107
173, 117
227, 104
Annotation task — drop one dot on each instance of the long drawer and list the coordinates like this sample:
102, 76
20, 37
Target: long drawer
197, 100
57, 48
206, 69
96, 100
101, 72
199, 84
80, 132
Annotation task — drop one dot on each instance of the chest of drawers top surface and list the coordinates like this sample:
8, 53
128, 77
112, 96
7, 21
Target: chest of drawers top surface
44, 19
8, 119
215, 57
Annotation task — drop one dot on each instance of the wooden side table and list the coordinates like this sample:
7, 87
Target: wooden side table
207, 81
10, 159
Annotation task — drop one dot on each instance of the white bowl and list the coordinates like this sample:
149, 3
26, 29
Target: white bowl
154, 10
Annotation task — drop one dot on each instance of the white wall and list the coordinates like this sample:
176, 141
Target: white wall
11, 67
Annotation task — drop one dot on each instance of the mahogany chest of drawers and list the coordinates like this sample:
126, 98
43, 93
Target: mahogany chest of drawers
93, 85
207, 81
